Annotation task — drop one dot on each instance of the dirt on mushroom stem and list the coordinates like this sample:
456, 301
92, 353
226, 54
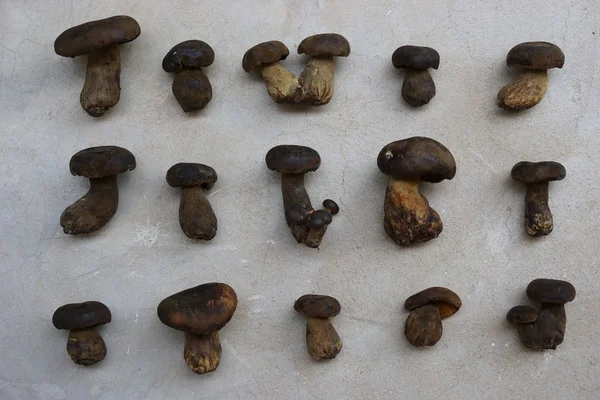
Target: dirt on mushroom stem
322, 340
538, 218
196, 216
86, 346
524, 93
102, 89
202, 353
418, 88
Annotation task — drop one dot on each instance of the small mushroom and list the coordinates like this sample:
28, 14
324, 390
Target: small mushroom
196, 216
317, 79
200, 312
322, 340
538, 218
101, 165
521, 315
85, 345
191, 86
408, 218
100, 40
308, 226
536, 58
418, 88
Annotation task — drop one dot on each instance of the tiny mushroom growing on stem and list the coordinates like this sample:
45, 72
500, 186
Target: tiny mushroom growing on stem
322, 340
191, 86
100, 40
407, 216
538, 218
101, 165
536, 58
85, 345
418, 88
308, 226
200, 312
196, 217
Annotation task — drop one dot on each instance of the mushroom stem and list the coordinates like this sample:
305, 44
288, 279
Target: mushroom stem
196, 216
281, 84
102, 81
525, 92
192, 89
548, 331
418, 88
296, 205
86, 346
317, 81
322, 339
538, 218
202, 353
94, 209
407, 215
423, 327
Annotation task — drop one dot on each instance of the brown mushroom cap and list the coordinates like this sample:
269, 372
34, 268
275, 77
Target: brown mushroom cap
417, 158
521, 315
191, 174
200, 310
81, 315
537, 172
319, 219
292, 159
551, 291
444, 299
102, 161
331, 206
325, 45
192, 54
264, 53
416, 57
536, 55
314, 305
84, 38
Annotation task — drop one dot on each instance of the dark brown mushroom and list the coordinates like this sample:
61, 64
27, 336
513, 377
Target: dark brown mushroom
101, 165
200, 312
538, 218
196, 217
521, 315
322, 340
100, 40
408, 218
536, 58
418, 88
423, 326
552, 291
85, 345
446, 301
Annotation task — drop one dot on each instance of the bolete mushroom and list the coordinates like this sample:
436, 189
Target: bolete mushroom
200, 312
196, 217
322, 340
536, 58
308, 226
191, 86
418, 88
100, 40
85, 345
408, 218
538, 218
101, 165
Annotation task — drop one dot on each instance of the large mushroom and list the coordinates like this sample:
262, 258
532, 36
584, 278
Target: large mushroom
322, 340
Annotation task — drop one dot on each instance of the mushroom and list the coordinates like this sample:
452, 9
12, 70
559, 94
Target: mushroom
318, 77
85, 345
536, 58
538, 218
200, 312
407, 216
191, 86
101, 165
322, 340
100, 40
196, 216
308, 226
521, 315
428, 308
418, 88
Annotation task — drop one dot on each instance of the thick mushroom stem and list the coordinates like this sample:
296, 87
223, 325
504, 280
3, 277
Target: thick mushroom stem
86, 346
317, 222
202, 353
192, 89
196, 216
525, 92
322, 340
317, 81
418, 88
281, 84
548, 331
296, 205
538, 218
407, 216
423, 326
102, 81
94, 209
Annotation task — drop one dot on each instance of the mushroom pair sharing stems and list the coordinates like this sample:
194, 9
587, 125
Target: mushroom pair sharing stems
315, 84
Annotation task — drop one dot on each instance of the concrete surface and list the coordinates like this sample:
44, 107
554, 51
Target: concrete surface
142, 255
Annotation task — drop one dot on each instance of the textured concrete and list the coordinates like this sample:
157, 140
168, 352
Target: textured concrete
142, 255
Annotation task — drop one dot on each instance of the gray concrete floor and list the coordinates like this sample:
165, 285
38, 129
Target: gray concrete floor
142, 255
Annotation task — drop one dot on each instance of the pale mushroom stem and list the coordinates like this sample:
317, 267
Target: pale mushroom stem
196, 216
418, 88
322, 340
86, 346
317, 81
295, 197
525, 92
202, 353
538, 218
315, 236
281, 84
102, 82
